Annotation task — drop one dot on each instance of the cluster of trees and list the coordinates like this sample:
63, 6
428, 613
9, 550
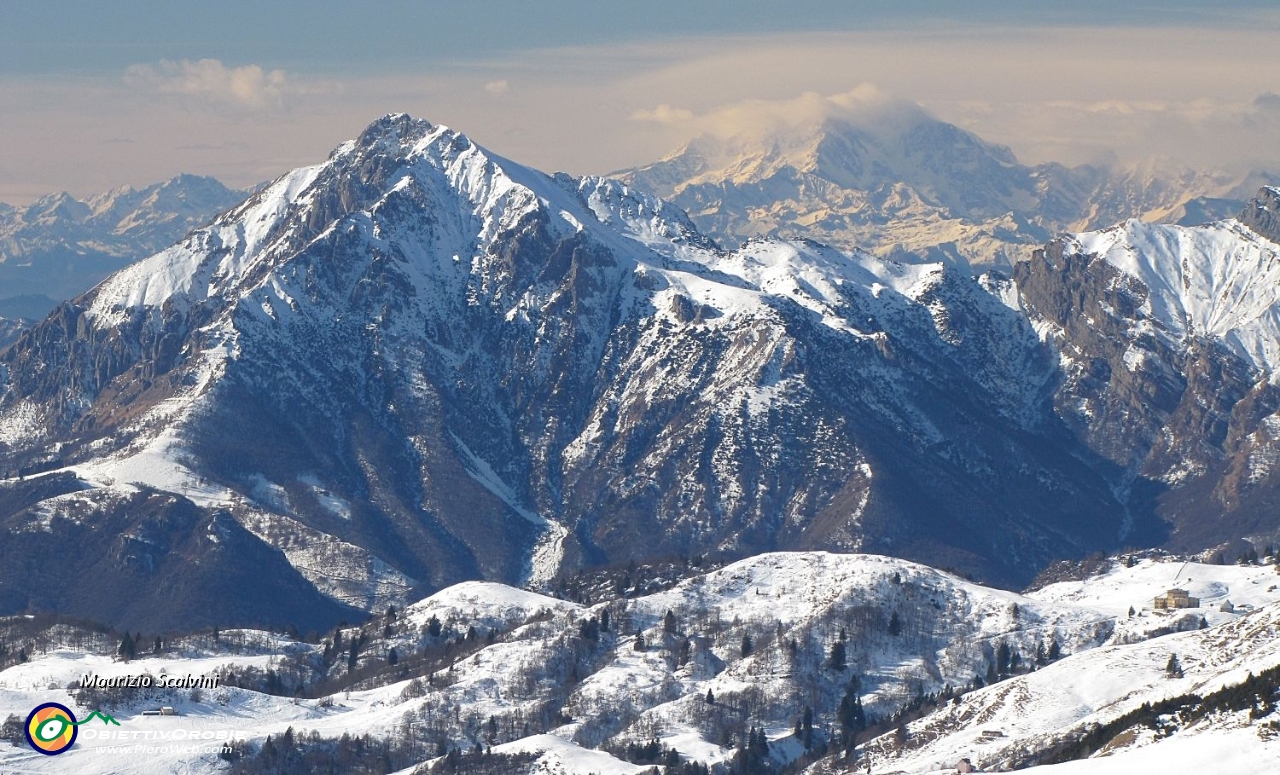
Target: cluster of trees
288, 753
1009, 662
630, 580
22, 637
364, 657
12, 730
127, 696
483, 762
133, 645
752, 756
651, 752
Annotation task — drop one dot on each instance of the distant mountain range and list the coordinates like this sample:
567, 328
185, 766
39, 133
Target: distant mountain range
418, 363
919, 189
59, 246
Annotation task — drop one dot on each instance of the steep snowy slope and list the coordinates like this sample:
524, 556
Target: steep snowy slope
1022, 721
1217, 282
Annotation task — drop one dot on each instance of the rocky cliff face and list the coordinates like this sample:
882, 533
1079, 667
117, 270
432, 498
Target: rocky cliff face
1168, 341
1263, 214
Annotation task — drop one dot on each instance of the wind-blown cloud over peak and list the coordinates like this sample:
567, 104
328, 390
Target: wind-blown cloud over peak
865, 106
785, 125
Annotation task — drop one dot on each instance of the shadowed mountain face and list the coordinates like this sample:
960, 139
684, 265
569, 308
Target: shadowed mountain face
417, 363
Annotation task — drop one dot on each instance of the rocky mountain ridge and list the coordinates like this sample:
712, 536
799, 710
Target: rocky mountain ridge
1167, 336
418, 363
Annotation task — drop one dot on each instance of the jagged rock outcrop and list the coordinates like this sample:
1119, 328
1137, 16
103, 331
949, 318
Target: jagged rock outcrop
1263, 214
9, 330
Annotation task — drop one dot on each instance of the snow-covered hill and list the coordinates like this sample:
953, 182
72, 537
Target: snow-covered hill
1022, 721
748, 646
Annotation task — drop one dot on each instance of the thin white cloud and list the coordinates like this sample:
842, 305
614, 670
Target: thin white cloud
865, 105
1205, 96
246, 87
1234, 134
497, 88
664, 114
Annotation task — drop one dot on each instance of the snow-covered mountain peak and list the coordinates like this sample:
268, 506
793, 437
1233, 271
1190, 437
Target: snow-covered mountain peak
516, 373
396, 157
393, 130
60, 206
1220, 281
897, 185
422, 178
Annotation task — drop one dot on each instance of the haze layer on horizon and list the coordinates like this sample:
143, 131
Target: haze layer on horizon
98, 95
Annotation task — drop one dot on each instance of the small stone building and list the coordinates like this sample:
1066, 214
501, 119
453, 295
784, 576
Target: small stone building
964, 765
1175, 598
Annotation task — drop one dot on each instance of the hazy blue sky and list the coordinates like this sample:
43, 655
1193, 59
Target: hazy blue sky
95, 94
336, 36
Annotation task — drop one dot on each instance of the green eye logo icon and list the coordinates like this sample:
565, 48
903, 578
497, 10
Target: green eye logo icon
51, 728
